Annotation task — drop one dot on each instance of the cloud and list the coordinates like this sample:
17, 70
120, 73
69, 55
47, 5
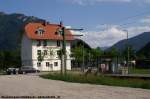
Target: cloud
146, 1
133, 31
107, 35
92, 2
145, 20
89, 2
103, 38
111, 35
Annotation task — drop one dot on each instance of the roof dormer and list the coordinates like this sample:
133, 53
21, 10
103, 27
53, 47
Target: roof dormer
40, 31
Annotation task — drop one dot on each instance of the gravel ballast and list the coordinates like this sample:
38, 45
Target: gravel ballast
33, 85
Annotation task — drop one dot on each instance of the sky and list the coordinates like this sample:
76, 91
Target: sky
105, 22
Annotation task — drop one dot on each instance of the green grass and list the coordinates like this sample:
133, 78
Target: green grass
2, 72
139, 71
102, 80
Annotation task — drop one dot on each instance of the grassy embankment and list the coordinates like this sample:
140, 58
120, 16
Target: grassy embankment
100, 80
139, 71
2, 72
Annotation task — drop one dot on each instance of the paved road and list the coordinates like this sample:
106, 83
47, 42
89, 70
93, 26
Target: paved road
32, 85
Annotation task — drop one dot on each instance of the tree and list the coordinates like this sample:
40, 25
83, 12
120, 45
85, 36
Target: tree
79, 53
132, 54
95, 54
113, 52
144, 53
10, 59
2, 60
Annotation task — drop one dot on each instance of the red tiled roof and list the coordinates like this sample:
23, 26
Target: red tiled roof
49, 32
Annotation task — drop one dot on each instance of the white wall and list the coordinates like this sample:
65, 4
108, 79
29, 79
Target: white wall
51, 45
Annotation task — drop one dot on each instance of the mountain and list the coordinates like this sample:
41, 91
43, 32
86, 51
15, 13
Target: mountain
79, 42
104, 48
136, 42
145, 51
11, 29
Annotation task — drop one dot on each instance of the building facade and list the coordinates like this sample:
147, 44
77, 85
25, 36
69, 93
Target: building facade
42, 45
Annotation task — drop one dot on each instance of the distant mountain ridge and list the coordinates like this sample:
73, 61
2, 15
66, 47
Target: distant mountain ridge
11, 27
145, 51
79, 42
104, 48
136, 42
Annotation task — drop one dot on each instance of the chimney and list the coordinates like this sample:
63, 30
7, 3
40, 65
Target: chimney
45, 23
61, 24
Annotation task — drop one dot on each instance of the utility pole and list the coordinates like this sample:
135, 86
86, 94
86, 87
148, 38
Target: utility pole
127, 45
63, 52
63, 55
127, 52
82, 58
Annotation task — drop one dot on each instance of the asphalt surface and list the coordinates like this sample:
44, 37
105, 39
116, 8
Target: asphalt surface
33, 85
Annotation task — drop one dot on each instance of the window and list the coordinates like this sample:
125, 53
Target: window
38, 64
47, 64
38, 43
44, 43
39, 52
45, 52
58, 43
40, 31
56, 33
55, 63
59, 53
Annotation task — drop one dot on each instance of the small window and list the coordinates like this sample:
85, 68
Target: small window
58, 52
39, 52
40, 31
58, 43
56, 33
55, 63
45, 52
44, 43
38, 64
38, 43
47, 64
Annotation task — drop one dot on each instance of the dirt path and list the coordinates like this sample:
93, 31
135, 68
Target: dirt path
32, 85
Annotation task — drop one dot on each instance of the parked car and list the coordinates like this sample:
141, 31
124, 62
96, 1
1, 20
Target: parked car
10, 71
27, 69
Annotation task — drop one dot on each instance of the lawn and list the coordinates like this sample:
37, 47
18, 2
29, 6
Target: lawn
2, 72
101, 80
139, 71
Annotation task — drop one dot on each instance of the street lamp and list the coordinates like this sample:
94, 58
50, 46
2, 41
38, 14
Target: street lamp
127, 45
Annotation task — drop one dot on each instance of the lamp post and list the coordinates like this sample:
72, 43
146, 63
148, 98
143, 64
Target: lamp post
127, 45
82, 69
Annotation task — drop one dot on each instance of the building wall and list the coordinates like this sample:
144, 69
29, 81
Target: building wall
26, 51
51, 46
29, 54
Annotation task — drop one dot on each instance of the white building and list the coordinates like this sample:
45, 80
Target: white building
41, 45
